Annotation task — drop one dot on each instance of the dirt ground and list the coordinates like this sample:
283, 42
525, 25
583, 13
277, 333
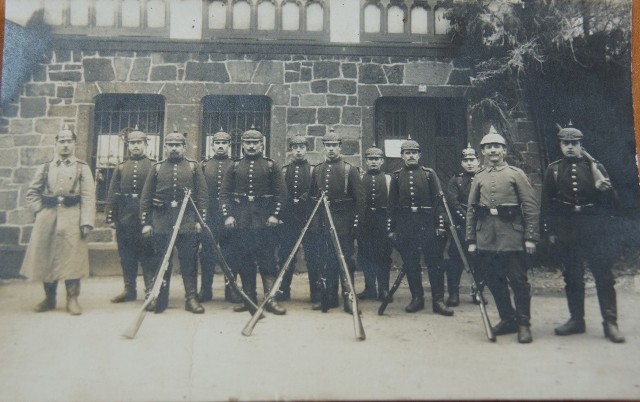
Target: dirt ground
307, 355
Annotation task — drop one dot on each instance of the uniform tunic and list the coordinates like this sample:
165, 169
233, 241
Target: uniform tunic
457, 193
56, 250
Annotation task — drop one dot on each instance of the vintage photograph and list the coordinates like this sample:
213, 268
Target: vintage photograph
249, 200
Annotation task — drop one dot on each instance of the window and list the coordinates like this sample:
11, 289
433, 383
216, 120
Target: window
115, 116
235, 115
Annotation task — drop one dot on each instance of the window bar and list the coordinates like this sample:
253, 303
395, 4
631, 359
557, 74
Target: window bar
431, 15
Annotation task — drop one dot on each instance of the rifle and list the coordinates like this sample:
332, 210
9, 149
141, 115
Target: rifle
357, 322
454, 234
396, 285
159, 279
246, 331
228, 274
598, 176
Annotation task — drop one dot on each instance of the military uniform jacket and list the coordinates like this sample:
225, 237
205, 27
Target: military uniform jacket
123, 200
457, 194
569, 188
297, 178
214, 169
163, 193
497, 188
342, 184
56, 249
413, 200
376, 199
252, 190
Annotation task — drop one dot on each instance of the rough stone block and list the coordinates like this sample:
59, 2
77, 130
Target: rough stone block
294, 130
163, 73
319, 86
62, 56
8, 157
101, 235
11, 263
64, 92
313, 100
40, 89
299, 115
202, 57
433, 73
326, 69
532, 146
48, 126
33, 107
3, 217
336, 100
352, 100
459, 77
395, 74
211, 72
140, 69
24, 175
300, 88
98, 70
63, 111
350, 147
306, 74
22, 216
72, 67
348, 132
295, 101
316, 131
35, 156
371, 74
279, 94
351, 115
21, 126
122, 67
9, 110
240, 71
69, 76
342, 87
55, 101
294, 66
26, 140
8, 200
329, 115
368, 94
39, 73
6, 141
6, 172
291, 76
269, 72
349, 70
26, 234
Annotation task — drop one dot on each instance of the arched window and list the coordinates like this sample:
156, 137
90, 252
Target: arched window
443, 25
79, 12
156, 13
131, 13
217, 18
419, 20
241, 15
290, 17
372, 18
315, 17
266, 16
105, 13
395, 19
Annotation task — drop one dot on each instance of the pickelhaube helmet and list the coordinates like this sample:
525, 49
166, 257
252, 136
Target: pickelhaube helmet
66, 133
175, 138
493, 138
252, 134
570, 133
332, 136
409, 145
221, 136
136, 135
298, 140
469, 153
373, 152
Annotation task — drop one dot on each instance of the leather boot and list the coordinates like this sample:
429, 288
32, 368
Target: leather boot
272, 304
193, 305
129, 275
571, 327
524, 334
162, 301
206, 294
507, 326
73, 291
49, 302
454, 296
440, 308
231, 296
367, 294
416, 304
612, 332
191, 298
285, 286
240, 307
127, 295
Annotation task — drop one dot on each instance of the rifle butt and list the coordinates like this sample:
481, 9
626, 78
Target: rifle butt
392, 291
485, 320
251, 324
132, 330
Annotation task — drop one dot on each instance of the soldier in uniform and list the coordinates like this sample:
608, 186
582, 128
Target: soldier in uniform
416, 221
296, 210
457, 193
341, 183
251, 199
123, 214
160, 203
213, 169
576, 203
62, 195
502, 223
374, 247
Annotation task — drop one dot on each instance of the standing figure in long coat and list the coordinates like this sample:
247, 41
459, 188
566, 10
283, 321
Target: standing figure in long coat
62, 195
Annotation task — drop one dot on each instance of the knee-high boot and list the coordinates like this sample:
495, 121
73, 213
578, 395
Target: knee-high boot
73, 291
272, 304
49, 302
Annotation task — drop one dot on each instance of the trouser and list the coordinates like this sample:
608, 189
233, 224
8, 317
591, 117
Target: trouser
186, 244
250, 251
374, 258
326, 259
135, 249
504, 269
288, 236
409, 246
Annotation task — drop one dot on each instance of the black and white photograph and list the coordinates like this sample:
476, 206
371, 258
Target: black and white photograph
319, 200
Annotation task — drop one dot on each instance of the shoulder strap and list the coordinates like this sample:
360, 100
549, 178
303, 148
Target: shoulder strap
45, 176
347, 168
554, 169
387, 178
459, 180
78, 176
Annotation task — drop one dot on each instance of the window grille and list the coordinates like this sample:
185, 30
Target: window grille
235, 115
115, 116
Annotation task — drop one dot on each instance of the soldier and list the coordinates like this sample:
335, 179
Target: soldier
374, 247
62, 195
341, 183
159, 207
502, 223
416, 221
457, 193
251, 199
213, 169
123, 214
296, 210
576, 203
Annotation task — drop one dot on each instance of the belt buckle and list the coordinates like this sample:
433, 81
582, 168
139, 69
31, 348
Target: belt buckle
577, 208
134, 196
251, 198
373, 209
493, 211
296, 200
414, 209
60, 199
174, 204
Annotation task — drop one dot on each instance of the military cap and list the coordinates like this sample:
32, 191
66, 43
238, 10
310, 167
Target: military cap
493, 138
298, 140
373, 152
136, 135
409, 145
221, 136
66, 133
252, 134
469, 153
570, 134
331, 136
175, 137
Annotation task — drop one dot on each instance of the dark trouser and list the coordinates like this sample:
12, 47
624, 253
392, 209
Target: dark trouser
187, 246
133, 248
251, 250
409, 246
288, 235
209, 258
504, 269
325, 258
374, 258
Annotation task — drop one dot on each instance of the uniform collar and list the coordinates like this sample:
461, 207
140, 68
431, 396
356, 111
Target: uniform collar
333, 161
573, 159
68, 161
221, 157
500, 166
373, 172
176, 160
137, 157
412, 167
297, 162
253, 157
